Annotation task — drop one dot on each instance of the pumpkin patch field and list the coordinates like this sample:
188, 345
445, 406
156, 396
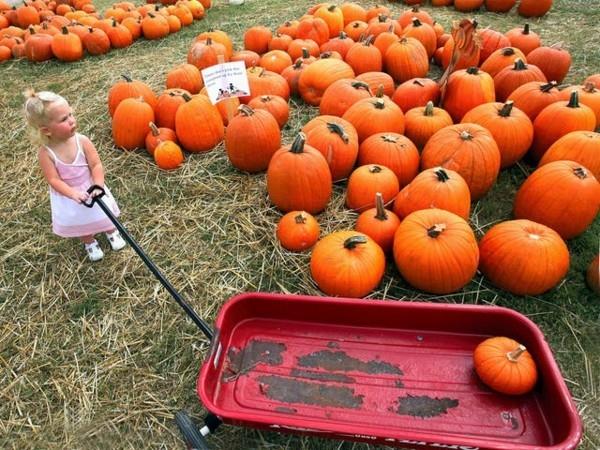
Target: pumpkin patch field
98, 355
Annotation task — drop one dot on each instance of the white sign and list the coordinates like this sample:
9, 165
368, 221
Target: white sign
226, 80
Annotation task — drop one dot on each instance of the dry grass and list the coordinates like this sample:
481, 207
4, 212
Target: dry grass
98, 356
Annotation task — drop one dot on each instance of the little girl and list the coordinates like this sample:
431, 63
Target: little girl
70, 164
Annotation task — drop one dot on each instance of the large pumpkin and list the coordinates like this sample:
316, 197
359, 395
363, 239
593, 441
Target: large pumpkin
347, 264
423, 122
515, 76
467, 89
129, 88
583, 147
319, 75
406, 59
524, 39
341, 95
534, 8
562, 195
553, 61
435, 188
298, 178
505, 365
436, 251
130, 124
251, 139
523, 257
533, 97
470, 150
500, 59
368, 180
194, 138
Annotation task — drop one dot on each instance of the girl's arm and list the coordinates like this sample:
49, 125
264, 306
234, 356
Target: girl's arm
54, 180
93, 161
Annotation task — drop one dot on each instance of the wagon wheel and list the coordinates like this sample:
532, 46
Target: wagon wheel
191, 435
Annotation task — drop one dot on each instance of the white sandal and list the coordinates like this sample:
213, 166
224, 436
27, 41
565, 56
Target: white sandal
116, 241
94, 251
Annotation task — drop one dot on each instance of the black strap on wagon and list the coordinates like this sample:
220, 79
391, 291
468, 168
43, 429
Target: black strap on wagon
97, 199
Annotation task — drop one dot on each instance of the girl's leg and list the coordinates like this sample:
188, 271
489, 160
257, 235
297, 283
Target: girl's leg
92, 248
87, 239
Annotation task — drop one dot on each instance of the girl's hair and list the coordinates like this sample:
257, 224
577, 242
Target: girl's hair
36, 108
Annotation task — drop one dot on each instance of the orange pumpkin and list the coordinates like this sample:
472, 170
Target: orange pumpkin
185, 76
67, 46
423, 122
511, 78
341, 95
436, 251
129, 88
274, 104
416, 92
505, 366
192, 137
376, 79
500, 59
467, 89
562, 195
379, 223
592, 275
157, 135
534, 8
166, 106
435, 188
512, 252
553, 61
583, 147
130, 124
406, 59
533, 97
318, 76
297, 231
524, 39
347, 264
368, 180
168, 155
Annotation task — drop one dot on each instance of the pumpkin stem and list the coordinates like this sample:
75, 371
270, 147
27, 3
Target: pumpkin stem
305, 53
379, 103
356, 84
368, 40
245, 110
547, 87
508, 51
589, 87
343, 35
331, 8
436, 230
419, 83
375, 169
300, 219
473, 70
506, 109
65, 30
389, 138
574, 100
127, 78
382, 18
428, 109
519, 65
465, 135
187, 97
339, 130
298, 144
379, 93
298, 63
353, 241
526, 29
580, 172
154, 129
381, 214
441, 174
416, 22
514, 355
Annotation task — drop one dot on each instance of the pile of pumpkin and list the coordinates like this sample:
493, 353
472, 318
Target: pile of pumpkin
526, 8
410, 153
43, 29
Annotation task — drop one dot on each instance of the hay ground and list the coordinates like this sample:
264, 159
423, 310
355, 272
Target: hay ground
98, 356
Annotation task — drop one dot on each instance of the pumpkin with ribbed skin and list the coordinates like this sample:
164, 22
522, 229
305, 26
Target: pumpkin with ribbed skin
298, 178
500, 59
491, 41
157, 135
416, 92
185, 76
167, 104
589, 96
511, 128
318, 76
467, 5
96, 42
368, 180
340, 44
499, 6
168, 155
265, 82
592, 276
553, 61
523, 257
364, 57
251, 139
275, 60
533, 97
558, 119
353, 11
206, 53
347, 264
435, 188
524, 39
562, 195
130, 123
424, 33
275, 104
376, 79
423, 122
534, 8
511, 78
297, 231
436, 251
379, 223
257, 39
129, 88
333, 17
470, 150
338, 143
192, 137
583, 147
505, 366
595, 79
394, 151
405, 18
406, 59
375, 115
67, 46
341, 95
249, 57
467, 89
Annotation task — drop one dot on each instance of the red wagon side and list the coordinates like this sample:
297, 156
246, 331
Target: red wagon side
394, 373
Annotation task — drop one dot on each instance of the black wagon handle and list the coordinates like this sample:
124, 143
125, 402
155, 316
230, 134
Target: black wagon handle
97, 199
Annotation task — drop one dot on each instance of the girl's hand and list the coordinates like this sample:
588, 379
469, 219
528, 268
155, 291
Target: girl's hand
79, 196
96, 193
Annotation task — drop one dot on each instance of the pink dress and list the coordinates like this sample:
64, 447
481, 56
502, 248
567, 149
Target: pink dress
72, 219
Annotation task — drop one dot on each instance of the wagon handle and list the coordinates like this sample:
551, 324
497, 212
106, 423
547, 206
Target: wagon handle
206, 329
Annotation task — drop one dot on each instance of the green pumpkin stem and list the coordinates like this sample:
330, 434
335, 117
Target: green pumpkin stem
187, 97
339, 130
379, 103
506, 109
580, 172
516, 353
298, 144
526, 29
436, 230
357, 84
298, 63
574, 100
65, 30
519, 65
473, 70
416, 22
508, 51
305, 53
343, 35
331, 8
380, 208
441, 174
418, 83
547, 87
428, 109
127, 78
353, 241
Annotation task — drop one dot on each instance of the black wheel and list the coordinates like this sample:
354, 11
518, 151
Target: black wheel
191, 434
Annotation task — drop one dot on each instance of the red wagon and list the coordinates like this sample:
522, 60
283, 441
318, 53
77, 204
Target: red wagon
393, 373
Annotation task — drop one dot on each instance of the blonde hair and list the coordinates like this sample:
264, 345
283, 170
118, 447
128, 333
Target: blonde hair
36, 109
